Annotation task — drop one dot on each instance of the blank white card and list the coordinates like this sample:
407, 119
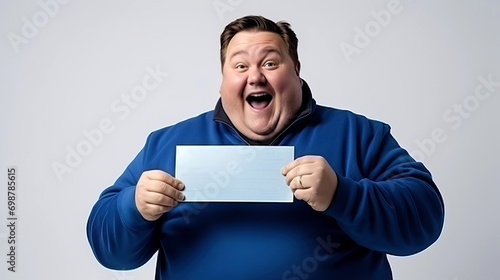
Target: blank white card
234, 173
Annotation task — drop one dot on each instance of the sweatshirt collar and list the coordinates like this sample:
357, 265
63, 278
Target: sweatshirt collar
308, 105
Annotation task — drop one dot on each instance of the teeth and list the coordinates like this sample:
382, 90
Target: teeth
258, 94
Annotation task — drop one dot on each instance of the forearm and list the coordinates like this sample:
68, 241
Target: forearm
120, 238
401, 215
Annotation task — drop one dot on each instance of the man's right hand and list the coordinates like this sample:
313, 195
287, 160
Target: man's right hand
156, 193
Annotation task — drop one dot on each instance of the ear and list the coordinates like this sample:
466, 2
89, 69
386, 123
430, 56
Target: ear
297, 68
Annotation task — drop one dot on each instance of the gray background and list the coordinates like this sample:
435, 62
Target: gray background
72, 70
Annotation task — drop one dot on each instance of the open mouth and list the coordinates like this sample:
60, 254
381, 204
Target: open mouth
259, 100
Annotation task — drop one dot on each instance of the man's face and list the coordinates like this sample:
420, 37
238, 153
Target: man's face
261, 89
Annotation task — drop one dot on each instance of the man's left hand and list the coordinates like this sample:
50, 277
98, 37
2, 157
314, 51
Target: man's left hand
311, 179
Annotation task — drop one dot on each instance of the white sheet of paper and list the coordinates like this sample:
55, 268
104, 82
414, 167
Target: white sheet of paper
234, 173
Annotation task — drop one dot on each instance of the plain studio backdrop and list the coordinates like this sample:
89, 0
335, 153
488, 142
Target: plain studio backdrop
83, 83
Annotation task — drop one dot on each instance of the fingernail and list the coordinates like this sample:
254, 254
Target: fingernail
182, 187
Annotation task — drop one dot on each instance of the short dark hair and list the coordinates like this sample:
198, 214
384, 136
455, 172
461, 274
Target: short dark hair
260, 23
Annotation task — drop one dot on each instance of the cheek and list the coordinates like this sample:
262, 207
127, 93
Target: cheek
289, 94
231, 96
232, 85
283, 79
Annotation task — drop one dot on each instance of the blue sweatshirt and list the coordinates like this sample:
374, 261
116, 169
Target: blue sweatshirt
385, 203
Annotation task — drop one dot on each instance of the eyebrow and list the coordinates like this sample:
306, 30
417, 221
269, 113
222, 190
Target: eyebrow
266, 51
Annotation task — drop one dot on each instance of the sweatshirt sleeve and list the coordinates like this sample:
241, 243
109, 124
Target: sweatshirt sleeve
396, 208
119, 236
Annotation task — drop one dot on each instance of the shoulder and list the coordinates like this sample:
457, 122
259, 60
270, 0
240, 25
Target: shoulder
188, 126
348, 119
159, 149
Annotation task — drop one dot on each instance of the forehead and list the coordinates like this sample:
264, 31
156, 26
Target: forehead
245, 40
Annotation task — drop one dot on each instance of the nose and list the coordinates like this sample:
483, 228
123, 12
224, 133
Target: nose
256, 77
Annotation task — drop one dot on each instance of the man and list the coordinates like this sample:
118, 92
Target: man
359, 195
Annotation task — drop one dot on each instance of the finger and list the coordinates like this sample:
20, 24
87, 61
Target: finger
292, 175
159, 175
154, 212
152, 198
172, 192
299, 161
298, 183
161, 188
285, 169
149, 209
299, 170
302, 194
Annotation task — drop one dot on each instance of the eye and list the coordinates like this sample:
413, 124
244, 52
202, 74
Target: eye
270, 64
240, 66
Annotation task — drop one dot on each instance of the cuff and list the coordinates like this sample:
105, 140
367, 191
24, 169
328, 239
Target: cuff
344, 198
128, 212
